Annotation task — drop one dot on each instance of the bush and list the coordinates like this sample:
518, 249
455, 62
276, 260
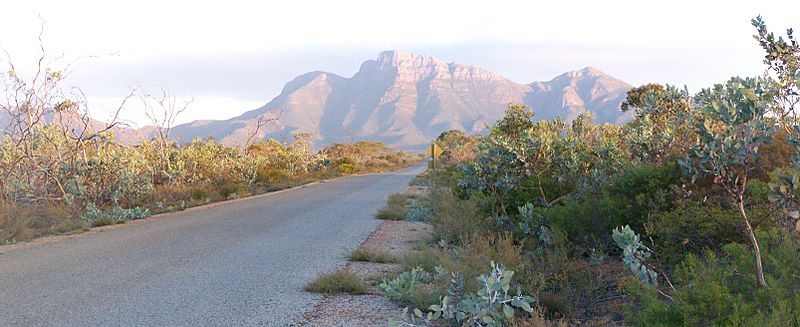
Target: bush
476, 252
721, 290
339, 281
628, 200
427, 259
454, 218
694, 227
269, 176
20, 223
492, 305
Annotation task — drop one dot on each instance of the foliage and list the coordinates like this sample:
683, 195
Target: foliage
490, 306
396, 208
694, 227
720, 290
458, 148
662, 127
628, 199
782, 57
733, 126
635, 254
402, 286
552, 159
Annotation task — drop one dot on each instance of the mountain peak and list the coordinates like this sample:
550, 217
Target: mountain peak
401, 59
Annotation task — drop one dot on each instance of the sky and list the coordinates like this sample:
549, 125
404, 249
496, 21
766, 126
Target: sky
233, 56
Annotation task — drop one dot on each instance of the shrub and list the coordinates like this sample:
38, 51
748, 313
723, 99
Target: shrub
341, 280
477, 251
693, 227
628, 200
452, 217
722, 290
267, 176
491, 305
428, 259
198, 193
114, 215
68, 226
20, 223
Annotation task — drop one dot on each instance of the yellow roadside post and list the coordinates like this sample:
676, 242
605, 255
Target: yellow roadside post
434, 152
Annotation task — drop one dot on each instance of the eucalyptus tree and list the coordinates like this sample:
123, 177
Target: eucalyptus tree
663, 122
733, 125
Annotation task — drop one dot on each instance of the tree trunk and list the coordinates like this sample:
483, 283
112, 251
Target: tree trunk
759, 268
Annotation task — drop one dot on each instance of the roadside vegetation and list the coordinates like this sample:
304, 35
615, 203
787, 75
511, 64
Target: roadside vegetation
370, 255
62, 172
339, 281
685, 216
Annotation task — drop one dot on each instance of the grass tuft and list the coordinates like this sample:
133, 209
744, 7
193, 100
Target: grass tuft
340, 281
395, 208
369, 255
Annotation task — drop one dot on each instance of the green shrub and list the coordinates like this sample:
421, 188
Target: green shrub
339, 281
231, 189
693, 227
628, 200
721, 290
199, 193
269, 175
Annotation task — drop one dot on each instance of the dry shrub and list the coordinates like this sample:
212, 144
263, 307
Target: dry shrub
454, 218
477, 251
19, 223
169, 194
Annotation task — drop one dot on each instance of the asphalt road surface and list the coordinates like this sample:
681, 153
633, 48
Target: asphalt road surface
238, 264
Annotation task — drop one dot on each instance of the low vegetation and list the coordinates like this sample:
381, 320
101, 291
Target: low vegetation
396, 208
339, 281
369, 255
685, 216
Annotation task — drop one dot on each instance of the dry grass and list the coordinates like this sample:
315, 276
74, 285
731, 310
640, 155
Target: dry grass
369, 255
396, 208
340, 281
19, 223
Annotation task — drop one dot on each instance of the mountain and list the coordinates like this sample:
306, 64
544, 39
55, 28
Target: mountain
406, 100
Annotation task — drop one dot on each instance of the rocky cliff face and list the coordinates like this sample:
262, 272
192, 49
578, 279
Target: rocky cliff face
406, 100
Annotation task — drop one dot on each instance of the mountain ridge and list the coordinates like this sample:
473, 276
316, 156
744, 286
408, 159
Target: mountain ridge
406, 99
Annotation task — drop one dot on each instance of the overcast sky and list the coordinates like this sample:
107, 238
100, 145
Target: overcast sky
232, 56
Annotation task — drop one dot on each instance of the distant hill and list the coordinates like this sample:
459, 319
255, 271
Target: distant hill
405, 100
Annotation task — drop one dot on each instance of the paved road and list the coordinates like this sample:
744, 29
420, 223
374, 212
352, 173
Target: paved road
238, 264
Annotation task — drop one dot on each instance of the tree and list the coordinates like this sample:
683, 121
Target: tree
517, 119
163, 109
783, 60
663, 123
732, 128
47, 132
